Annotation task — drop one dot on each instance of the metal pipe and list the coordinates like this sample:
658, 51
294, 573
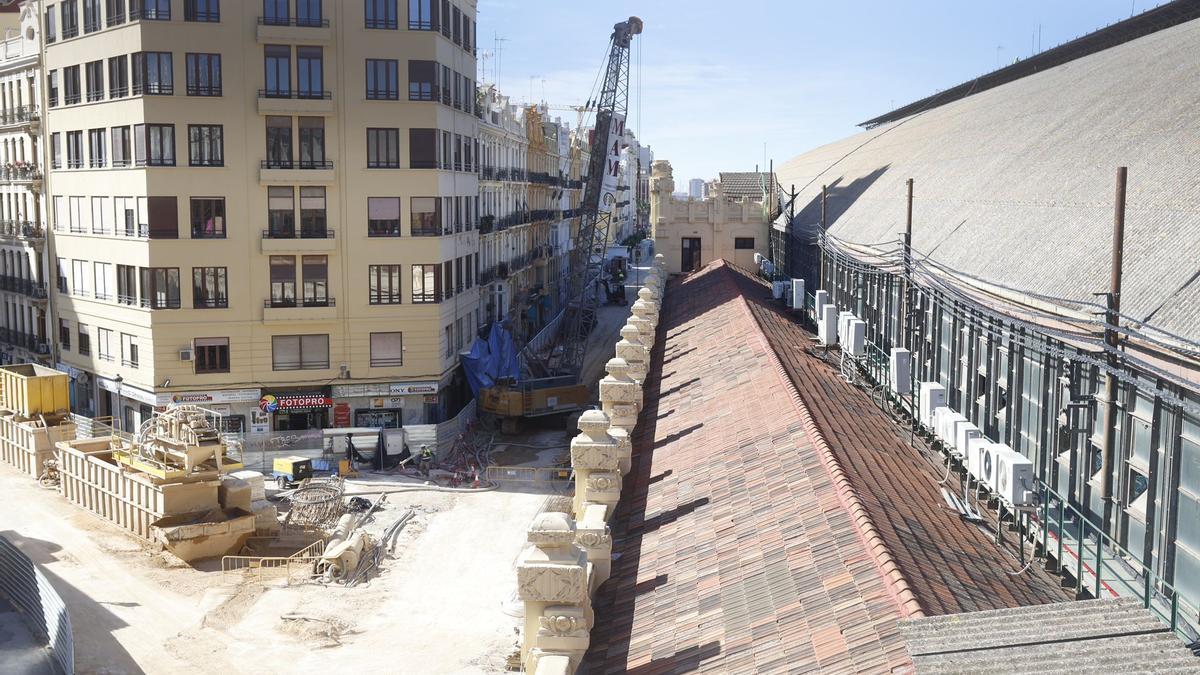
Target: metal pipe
907, 306
1111, 338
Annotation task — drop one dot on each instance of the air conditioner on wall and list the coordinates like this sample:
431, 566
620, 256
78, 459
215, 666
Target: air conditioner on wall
856, 338
827, 325
933, 396
975, 447
948, 431
900, 371
963, 435
185, 354
1014, 482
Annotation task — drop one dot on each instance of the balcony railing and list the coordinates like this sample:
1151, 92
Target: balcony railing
302, 164
20, 115
304, 94
302, 22
24, 340
291, 303
27, 287
21, 229
304, 232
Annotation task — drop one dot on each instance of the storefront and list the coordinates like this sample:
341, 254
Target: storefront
82, 400
297, 409
384, 405
236, 406
124, 402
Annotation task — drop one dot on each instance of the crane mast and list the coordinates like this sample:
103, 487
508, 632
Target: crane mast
587, 258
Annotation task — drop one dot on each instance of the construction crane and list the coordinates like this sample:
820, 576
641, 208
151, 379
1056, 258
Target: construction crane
560, 389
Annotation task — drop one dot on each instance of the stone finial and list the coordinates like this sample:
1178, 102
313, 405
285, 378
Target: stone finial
644, 328
552, 582
644, 293
631, 349
594, 452
618, 387
551, 529
643, 310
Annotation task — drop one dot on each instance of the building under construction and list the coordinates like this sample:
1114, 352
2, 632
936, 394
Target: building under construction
980, 229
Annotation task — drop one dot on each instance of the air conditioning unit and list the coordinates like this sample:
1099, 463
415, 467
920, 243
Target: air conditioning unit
1014, 482
856, 338
963, 435
797, 294
948, 430
778, 289
933, 396
936, 417
900, 372
827, 325
843, 320
185, 354
974, 452
987, 463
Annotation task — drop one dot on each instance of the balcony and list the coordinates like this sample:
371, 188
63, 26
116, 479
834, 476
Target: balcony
27, 341
293, 30
307, 310
20, 172
20, 116
26, 287
322, 241
294, 102
287, 172
22, 230
538, 215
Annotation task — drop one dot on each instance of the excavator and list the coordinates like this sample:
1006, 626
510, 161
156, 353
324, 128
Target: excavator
551, 382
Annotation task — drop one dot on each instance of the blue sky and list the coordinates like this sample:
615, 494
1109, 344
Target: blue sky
720, 79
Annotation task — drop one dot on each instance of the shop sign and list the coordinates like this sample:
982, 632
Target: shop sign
404, 388
69, 370
388, 402
202, 397
272, 403
127, 391
431, 398
341, 415
359, 390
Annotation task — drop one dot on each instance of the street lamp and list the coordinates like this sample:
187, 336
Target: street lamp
120, 409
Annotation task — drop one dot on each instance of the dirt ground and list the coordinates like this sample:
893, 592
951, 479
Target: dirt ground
445, 603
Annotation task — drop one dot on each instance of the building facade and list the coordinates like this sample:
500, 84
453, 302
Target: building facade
25, 322
269, 208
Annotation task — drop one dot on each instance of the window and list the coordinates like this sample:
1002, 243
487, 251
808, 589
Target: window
308, 13
70, 18
74, 149
51, 36
85, 340
208, 11
383, 148
447, 280
283, 281
300, 352
381, 14
94, 73
449, 341
96, 148
209, 288
444, 90
62, 276
121, 153
52, 85
153, 10
458, 275
206, 145
383, 216
127, 285
310, 72
468, 32
445, 18
101, 216
313, 221
163, 213
312, 143
281, 212
91, 16
118, 77
743, 243
384, 283
316, 280
275, 13
56, 150
153, 74
154, 144
426, 283
422, 149
76, 214
422, 80
79, 278
208, 217
387, 350
203, 74
456, 25
71, 85
103, 278
129, 351
64, 333
279, 142
277, 60
211, 355
126, 209
104, 344
160, 287
420, 14
115, 11
383, 79
426, 215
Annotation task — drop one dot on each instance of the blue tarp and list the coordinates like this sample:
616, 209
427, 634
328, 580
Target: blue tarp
492, 359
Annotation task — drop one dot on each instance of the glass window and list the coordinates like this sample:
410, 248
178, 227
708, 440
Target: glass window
743, 243
387, 350
421, 14
154, 144
160, 287
70, 18
85, 340
96, 152
422, 149
163, 215
153, 10
283, 281
51, 35
281, 212
300, 352
208, 217
279, 142
383, 79
74, 149
115, 11
104, 344
94, 72
277, 61
310, 72
316, 280
383, 148
91, 16
384, 283
426, 216
308, 13
312, 143
129, 351
118, 76
208, 11
422, 80
153, 74
127, 285
203, 74
209, 288
52, 87
426, 283
381, 14
64, 334
71, 93
206, 145
121, 153
211, 355
275, 13
383, 216
313, 221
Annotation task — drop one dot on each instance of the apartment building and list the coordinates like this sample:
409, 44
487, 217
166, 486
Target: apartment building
504, 199
266, 207
24, 324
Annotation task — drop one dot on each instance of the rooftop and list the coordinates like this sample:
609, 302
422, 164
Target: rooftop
748, 184
774, 515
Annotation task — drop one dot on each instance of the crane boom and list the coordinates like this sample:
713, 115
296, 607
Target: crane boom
587, 258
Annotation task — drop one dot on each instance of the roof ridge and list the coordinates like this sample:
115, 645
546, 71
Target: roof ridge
895, 581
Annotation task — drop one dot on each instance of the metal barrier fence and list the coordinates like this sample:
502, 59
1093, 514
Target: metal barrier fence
265, 567
528, 474
45, 612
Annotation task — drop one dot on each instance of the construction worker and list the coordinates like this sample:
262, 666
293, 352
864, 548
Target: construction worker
426, 459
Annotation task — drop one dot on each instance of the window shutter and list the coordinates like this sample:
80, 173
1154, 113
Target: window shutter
164, 217
387, 349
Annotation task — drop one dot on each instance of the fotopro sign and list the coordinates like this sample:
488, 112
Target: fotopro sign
270, 403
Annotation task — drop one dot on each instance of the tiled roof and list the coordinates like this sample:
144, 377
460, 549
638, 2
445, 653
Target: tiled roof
734, 549
749, 184
1015, 184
